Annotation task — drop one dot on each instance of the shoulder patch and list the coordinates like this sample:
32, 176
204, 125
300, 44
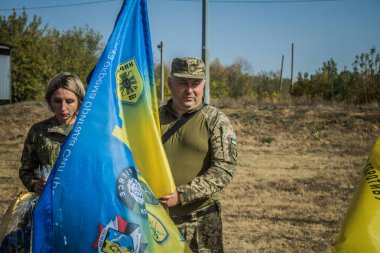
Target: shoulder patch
233, 149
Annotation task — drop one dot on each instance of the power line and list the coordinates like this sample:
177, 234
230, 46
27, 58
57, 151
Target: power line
57, 6
262, 1
215, 1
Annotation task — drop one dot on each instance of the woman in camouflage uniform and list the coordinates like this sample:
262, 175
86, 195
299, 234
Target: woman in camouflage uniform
64, 95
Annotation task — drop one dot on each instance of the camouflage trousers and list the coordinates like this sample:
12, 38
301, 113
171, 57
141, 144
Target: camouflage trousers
203, 234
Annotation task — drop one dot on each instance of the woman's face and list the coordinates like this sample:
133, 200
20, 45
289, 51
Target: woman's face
64, 104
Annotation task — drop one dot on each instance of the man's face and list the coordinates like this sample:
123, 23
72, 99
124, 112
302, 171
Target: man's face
187, 93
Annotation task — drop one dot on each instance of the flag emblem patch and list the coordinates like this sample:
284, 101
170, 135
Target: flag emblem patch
130, 191
129, 82
157, 228
119, 236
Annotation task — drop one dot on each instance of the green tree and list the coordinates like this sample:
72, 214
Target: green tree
27, 64
38, 53
83, 47
367, 65
342, 86
323, 80
218, 80
360, 86
302, 87
267, 85
238, 79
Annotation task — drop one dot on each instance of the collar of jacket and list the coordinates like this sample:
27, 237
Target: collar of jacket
169, 108
55, 127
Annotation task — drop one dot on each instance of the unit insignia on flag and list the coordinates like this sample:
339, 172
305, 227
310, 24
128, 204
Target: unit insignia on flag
148, 194
120, 110
119, 236
129, 190
157, 228
129, 82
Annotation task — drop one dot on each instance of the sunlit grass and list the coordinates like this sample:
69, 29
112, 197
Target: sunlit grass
297, 169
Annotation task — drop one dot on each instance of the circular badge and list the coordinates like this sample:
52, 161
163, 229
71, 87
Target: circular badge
129, 190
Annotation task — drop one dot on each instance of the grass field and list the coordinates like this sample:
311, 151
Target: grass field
297, 170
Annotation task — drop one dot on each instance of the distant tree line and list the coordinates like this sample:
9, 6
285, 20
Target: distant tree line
360, 86
236, 81
39, 52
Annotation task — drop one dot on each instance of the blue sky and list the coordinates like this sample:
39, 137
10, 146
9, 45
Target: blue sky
253, 30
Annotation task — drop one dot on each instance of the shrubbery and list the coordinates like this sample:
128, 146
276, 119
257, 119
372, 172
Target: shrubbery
360, 86
39, 52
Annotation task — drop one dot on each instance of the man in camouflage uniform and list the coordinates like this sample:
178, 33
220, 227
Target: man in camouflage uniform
201, 153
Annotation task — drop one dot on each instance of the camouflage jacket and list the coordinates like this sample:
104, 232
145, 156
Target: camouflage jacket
41, 149
202, 156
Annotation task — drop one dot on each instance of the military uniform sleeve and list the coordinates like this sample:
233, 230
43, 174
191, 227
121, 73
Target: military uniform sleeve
223, 162
29, 161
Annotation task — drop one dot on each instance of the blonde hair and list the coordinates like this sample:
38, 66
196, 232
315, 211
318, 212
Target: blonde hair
68, 81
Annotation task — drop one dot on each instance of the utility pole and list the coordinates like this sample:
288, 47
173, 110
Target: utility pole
282, 67
291, 71
205, 51
161, 48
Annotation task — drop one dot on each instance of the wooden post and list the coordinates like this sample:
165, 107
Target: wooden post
282, 67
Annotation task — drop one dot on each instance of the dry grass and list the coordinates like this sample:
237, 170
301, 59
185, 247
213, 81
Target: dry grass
298, 166
297, 170
15, 121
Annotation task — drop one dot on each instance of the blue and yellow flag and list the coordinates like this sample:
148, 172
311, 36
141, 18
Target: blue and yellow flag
360, 230
96, 199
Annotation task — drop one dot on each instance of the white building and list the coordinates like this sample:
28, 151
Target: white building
5, 73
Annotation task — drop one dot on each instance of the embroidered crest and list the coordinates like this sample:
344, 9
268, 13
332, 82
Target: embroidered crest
130, 191
129, 82
157, 229
119, 236
233, 150
148, 194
